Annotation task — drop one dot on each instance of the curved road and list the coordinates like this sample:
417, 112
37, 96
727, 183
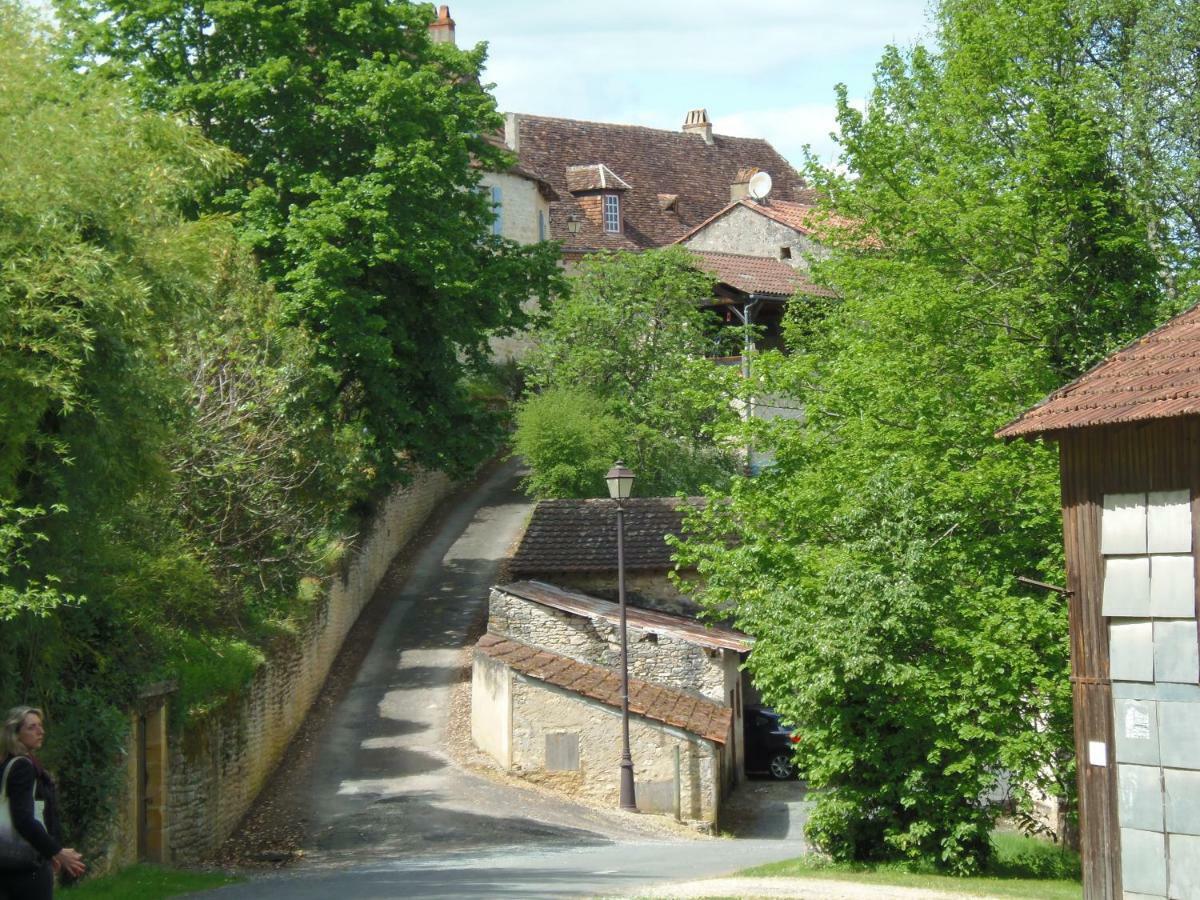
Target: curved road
391, 815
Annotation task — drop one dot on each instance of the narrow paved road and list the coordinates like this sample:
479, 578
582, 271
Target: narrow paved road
390, 815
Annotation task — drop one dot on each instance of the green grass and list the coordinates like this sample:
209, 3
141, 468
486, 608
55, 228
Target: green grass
1021, 867
143, 882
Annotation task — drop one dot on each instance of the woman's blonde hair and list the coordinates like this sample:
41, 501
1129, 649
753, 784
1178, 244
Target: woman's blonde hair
12, 724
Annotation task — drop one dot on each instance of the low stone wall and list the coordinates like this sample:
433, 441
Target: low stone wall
218, 766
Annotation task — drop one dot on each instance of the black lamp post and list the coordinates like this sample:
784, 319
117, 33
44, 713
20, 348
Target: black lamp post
620, 485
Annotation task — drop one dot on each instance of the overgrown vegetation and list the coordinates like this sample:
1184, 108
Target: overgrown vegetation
213, 361
619, 371
1003, 240
145, 882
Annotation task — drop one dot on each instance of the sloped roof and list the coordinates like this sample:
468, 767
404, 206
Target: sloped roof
581, 535
652, 161
690, 712
714, 637
757, 274
1155, 377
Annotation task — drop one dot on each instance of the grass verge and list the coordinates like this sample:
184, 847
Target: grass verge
1021, 867
144, 882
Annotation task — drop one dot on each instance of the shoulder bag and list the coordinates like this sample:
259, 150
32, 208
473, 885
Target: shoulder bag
15, 851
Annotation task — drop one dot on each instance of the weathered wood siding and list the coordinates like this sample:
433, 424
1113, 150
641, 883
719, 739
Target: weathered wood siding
1152, 456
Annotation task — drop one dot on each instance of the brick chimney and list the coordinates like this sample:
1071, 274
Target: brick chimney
740, 187
697, 123
442, 30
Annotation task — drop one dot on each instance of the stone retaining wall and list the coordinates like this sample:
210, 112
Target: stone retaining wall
217, 766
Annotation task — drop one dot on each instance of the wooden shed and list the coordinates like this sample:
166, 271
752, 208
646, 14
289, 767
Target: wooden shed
1129, 439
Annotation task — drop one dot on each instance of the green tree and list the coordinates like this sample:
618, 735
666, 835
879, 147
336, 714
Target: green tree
619, 368
363, 144
995, 253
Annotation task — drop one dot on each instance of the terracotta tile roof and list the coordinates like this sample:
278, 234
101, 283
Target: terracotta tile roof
690, 712
652, 161
758, 274
1155, 377
544, 187
581, 535
714, 637
593, 178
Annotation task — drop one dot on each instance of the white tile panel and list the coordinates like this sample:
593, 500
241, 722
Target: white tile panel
1185, 867
1169, 522
1136, 723
1176, 655
1127, 586
1143, 861
1173, 586
1179, 734
1123, 524
1183, 800
1140, 797
1131, 650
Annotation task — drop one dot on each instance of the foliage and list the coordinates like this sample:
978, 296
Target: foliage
570, 439
166, 473
629, 342
147, 882
363, 145
992, 253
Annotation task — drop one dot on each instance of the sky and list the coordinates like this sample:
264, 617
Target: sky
766, 69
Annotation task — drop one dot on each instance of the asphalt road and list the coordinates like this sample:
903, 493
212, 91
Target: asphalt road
391, 815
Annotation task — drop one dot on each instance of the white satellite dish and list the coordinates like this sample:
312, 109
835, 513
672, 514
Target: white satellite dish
760, 185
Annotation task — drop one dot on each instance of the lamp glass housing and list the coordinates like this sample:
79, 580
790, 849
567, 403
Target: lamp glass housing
620, 481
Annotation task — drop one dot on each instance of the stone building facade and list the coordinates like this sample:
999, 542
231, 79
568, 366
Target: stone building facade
557, 722
769, 229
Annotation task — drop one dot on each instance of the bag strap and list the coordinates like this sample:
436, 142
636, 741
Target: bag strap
4, 781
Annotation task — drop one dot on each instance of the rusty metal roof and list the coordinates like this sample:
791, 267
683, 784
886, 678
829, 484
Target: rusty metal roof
1155, 377
687, 629
690, 712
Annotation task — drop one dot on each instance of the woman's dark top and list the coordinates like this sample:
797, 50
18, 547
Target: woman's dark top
28, 781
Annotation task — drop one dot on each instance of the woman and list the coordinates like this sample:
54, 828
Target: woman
22, 734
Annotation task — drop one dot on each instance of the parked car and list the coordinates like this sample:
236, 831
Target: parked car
768, 742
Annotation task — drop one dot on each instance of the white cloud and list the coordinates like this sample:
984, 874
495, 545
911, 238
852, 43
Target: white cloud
789, 129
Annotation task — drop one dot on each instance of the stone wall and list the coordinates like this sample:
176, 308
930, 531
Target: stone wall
543, 715
749, 233
218, 765
658, 658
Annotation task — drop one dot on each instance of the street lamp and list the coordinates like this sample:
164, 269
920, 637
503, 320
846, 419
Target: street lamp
573, 224
620, 485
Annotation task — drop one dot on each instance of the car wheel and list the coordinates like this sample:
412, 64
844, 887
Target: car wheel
781, 766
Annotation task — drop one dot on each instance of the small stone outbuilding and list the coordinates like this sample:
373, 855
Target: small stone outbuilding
557, 721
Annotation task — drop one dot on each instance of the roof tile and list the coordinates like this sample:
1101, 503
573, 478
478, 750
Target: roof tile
704, 717
1155, 377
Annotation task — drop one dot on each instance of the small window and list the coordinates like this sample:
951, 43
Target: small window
541, 225
497, 211
562, 752
612, 213
785, 252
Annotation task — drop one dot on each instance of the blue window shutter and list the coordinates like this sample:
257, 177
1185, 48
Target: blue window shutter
498, 211
541, 225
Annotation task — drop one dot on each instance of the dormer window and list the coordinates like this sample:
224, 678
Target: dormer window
612, 213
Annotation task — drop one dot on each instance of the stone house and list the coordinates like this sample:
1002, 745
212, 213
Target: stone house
627, 187
546, 698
